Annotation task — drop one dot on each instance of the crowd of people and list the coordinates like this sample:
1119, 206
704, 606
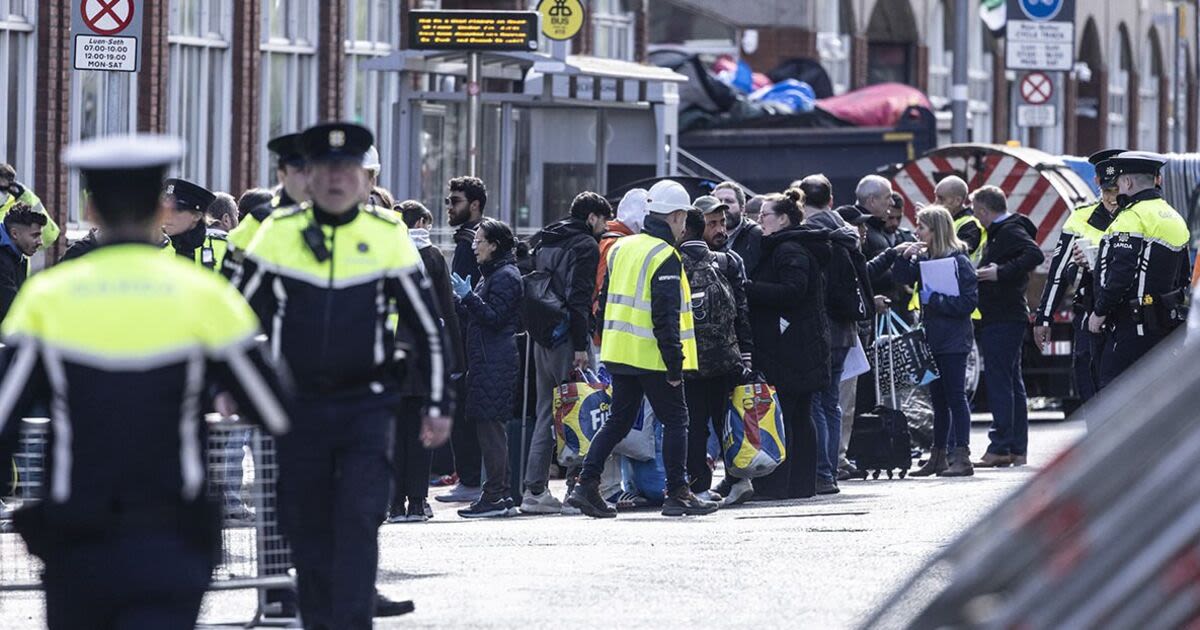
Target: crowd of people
379, 349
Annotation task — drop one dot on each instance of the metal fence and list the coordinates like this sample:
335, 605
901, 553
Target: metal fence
242, 475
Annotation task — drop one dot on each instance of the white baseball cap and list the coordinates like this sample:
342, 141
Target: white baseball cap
666, 197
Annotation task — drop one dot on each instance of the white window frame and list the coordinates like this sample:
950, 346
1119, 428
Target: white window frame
1148, 101
207, 165
979, 84
119, 126
941, 57
833, 46
382, 88
299, 47
610, 23
22, 26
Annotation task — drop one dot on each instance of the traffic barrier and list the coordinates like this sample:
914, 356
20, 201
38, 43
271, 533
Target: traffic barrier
242, 476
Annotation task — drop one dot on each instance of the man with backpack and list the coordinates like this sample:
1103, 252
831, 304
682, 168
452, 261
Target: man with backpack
560, 323
723, 341
847, 298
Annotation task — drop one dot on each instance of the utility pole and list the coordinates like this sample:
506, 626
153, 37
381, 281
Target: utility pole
960, 92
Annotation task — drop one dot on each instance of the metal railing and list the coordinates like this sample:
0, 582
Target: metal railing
242, 476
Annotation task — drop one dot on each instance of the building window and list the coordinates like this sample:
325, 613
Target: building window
18, 72
372, 30
612, 29
979, 84
289, 73
102, 104
1118, 91
1148, 96
199, 107
833, 42
941, 56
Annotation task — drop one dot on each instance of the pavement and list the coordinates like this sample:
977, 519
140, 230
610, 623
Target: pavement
816, 563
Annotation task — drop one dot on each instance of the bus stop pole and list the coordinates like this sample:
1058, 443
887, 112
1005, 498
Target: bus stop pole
474, 113
959, 91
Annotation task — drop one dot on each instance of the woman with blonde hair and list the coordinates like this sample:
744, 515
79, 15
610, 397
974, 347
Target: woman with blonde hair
948, 329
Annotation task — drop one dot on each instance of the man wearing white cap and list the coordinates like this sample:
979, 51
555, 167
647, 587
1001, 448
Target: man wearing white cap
648, 340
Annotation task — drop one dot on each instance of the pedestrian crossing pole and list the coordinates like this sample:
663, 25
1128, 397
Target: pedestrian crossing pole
474, 112
959, 92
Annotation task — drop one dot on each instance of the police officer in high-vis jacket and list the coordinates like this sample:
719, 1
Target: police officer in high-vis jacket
1084, 228
185, 224
648, 340
125, 346
324, 277
1143, 267
292, 189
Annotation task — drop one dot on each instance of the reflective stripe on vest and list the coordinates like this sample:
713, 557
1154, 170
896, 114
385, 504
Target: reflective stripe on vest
628, 319
976, 255
1077, 224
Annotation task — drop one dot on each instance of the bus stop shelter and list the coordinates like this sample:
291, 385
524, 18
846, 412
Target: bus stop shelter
549, 129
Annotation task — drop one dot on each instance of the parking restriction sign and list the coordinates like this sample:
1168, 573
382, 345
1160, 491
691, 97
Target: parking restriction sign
1037, 88
105, 34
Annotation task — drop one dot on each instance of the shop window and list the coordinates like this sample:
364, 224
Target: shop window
613, 30
372, 30
18, 71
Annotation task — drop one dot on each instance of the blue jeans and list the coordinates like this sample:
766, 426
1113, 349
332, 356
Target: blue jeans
1000, 344
951, 413
827, 416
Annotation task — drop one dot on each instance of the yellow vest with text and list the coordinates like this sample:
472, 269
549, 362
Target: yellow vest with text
976, 255
51, 232
628, 322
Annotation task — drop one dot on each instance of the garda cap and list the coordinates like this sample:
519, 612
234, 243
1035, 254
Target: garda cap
188, 197
336, 142
1138, 163
112, 155
1106, 174
287, 147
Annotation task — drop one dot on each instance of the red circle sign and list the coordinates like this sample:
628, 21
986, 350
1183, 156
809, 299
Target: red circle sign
106, 17
1037, 88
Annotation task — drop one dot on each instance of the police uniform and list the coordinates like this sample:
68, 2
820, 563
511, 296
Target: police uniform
201, 244
286, 148
323, 285
124, 356
1086, 223
20, 194
1142, 272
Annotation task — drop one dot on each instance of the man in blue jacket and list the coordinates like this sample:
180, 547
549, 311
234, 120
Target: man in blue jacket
1010, 256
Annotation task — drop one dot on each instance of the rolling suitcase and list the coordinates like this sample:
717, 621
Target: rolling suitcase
880, 440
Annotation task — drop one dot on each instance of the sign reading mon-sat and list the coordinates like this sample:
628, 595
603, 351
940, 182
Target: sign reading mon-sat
105, 34
1040, 35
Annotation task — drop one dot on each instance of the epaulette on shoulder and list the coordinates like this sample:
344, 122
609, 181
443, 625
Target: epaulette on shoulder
289, 211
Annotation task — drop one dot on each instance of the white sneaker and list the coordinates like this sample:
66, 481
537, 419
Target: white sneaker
543, 503
741, 492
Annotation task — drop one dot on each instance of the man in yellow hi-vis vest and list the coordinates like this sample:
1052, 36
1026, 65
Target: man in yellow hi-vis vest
13, 192
952, 193
648, 340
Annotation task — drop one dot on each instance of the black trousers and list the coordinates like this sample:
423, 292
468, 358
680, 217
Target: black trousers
411, 461
335, 476
670, 409
1123, 348
468, 461
131, 582
493, 444
707, 402
796, 476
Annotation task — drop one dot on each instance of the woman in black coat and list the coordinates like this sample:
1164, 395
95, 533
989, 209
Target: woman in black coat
791, 335
491, 316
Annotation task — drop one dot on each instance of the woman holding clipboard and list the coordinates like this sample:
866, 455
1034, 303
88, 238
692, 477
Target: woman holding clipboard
948, 297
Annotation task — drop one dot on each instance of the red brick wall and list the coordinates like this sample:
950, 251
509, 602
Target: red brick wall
247, 92
331, 59
52, 113
152, 77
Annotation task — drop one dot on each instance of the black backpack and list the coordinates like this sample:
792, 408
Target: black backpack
714, 311
848, 295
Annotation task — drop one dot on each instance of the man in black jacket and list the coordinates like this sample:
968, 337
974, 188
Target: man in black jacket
570, 251
1010, 256
464, 210
20, 239
745, 236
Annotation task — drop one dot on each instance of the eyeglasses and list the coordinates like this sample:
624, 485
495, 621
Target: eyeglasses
454, 201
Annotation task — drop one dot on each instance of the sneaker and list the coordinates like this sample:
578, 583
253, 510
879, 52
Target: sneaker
740, 492
682, 502
1020, 460
396, 514
418, 512
510, 507
483, 508
723, 489
847, 472
631, 501
543, 503
385, 607
827, 487
570, 510
586, 497
443, 481
460, 494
